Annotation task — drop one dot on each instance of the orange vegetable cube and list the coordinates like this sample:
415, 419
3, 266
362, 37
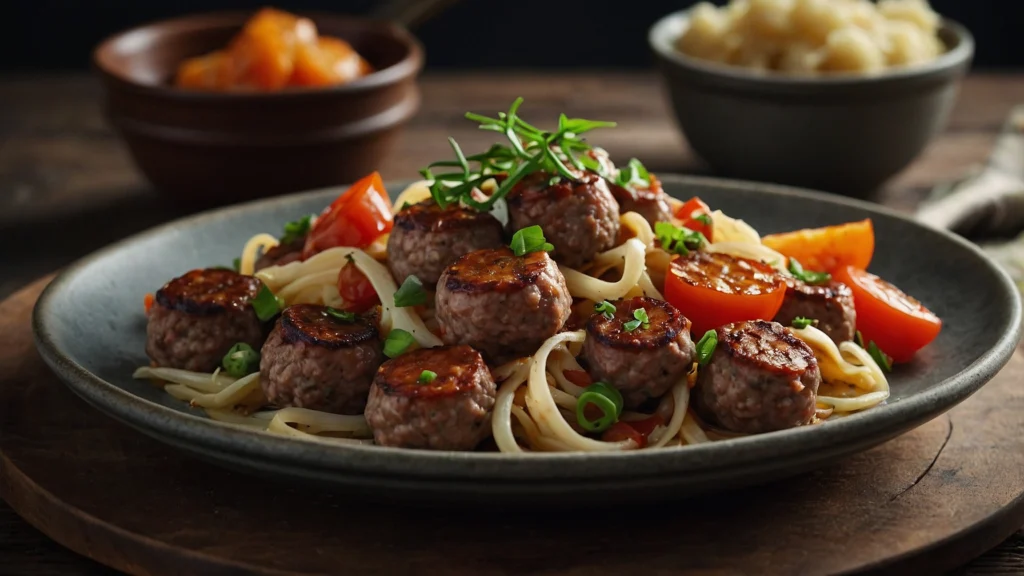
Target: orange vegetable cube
208, 72
329, 61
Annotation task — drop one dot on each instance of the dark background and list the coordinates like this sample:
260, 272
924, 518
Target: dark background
60, 34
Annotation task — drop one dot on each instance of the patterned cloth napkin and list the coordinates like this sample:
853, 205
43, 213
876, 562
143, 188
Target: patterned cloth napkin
986, 206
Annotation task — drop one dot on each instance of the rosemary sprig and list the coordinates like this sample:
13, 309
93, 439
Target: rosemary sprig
562, 153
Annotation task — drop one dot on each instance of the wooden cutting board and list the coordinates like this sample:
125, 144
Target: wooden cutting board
925, 502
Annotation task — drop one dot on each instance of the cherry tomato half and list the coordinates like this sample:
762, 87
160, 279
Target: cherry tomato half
356, 290
696, 215
895, 321
356, 218
713, 290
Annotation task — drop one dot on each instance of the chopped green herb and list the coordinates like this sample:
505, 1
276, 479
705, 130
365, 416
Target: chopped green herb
236, 264
405, 205
397, 342
639, 319
241, 360
703, 219
807, 276
296, 229
631, 325
266, 304
530, 150
677, 240
606, 308
706, 347
800, 322
554, 180
881, 358
604, 397
411, 293
529, 239
426, 377
341, 314
634, 173
859, 340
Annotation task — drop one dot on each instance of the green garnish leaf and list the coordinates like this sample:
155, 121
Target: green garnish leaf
530, 150
606, 308
405, 205
241, 360
236, 264
800, 322
296, 229
631, 325
341, 314
397, 342
634, 174
410, 293
706, 347
529, 239
678, 240
881, 358
704, 219
426, 377
266, 304
604, 397
807, 276
639, 319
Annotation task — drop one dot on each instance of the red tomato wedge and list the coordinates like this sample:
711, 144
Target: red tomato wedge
356, 290
827, 249
713, 290
356, 218
147, 302
638, 431
895, 321
696, 215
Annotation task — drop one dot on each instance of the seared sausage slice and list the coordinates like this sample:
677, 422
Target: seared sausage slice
197, 317
579, 217
645, 362
760, 378
432, 398
503, 305
426, 238
831, 305
316, 360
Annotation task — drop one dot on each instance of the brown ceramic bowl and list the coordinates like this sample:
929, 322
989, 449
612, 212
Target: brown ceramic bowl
207, 149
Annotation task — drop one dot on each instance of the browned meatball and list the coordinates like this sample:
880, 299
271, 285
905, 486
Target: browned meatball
761, 378
426, 239
450, 412
642, 363
580, 218
197, 317
315, 360
830, 304
650, 202
503, 305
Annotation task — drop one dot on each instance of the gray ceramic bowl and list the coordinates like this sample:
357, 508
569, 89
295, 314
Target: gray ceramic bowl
844, 134
90, 329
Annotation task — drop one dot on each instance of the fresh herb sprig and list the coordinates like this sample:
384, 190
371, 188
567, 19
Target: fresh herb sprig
678, 240
530, 150
807, 276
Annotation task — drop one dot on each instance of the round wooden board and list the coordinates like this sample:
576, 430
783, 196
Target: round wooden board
925, 502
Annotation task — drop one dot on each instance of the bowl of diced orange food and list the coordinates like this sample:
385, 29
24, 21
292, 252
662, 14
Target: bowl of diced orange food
220, 108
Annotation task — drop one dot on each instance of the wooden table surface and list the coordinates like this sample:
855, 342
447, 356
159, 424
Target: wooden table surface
67, 187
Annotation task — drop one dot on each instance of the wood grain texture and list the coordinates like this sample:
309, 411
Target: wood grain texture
67, 187
925, 502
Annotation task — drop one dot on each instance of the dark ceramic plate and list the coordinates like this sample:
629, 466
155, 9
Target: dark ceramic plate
90, 329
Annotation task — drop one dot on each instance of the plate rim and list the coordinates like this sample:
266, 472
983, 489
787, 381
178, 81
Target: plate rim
209, 436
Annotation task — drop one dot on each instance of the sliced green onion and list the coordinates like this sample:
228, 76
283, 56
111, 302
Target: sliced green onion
881, 358
411, 293
607, 399
529, 239
296, 229
807, 276
341, 314
426, 377
606, 308
706, 347
241, 360
266, 304
703, 219
397, 342
800, 322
